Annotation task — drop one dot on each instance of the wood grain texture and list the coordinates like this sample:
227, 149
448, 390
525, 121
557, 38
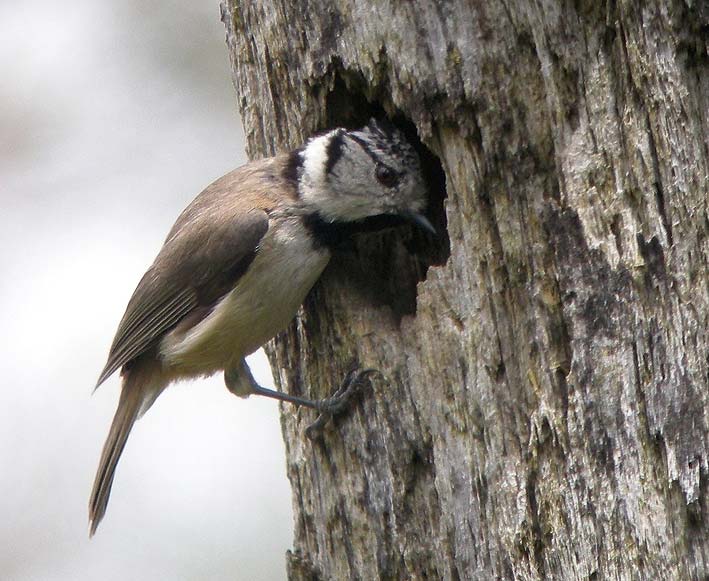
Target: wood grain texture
544, 413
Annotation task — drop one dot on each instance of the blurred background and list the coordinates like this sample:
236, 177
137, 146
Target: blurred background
114, 114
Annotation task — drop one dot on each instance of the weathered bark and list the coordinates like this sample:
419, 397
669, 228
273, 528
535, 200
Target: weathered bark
544, 414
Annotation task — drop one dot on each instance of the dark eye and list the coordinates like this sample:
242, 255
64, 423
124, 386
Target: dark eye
386, 176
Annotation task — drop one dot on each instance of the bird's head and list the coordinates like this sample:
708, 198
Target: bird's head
348, 176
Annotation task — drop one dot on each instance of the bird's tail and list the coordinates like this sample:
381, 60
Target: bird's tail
141, 386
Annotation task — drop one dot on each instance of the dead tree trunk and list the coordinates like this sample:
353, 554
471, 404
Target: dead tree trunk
544, 414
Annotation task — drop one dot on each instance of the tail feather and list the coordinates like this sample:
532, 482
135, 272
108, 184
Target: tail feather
139, 391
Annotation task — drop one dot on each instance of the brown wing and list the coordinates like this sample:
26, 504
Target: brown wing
209, 248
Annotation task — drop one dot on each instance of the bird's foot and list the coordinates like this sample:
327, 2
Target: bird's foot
339, 401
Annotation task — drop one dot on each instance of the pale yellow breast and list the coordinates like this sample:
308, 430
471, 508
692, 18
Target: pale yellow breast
262, 304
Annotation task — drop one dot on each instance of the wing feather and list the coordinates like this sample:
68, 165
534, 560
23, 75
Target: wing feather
203, 258
140, 335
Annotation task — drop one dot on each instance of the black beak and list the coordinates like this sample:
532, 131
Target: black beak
419, 220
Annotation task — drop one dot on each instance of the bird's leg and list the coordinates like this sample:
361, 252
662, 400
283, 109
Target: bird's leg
240, 382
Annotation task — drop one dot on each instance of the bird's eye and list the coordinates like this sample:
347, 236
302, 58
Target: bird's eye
386, 176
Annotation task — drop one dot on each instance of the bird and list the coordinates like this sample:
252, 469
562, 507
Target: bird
238, 263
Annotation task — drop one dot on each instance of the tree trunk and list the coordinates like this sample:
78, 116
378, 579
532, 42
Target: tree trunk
543, 407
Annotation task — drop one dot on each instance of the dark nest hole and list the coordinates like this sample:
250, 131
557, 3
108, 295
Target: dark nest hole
385, 265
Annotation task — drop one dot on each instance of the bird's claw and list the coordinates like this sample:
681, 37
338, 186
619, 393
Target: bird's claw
339, 401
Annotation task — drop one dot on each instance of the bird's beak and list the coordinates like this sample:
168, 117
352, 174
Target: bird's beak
419, 220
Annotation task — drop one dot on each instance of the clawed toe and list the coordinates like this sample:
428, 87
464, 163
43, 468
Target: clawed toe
339, 401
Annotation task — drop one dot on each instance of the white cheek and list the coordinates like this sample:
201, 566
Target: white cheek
315, 157
314, 181
347, 208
